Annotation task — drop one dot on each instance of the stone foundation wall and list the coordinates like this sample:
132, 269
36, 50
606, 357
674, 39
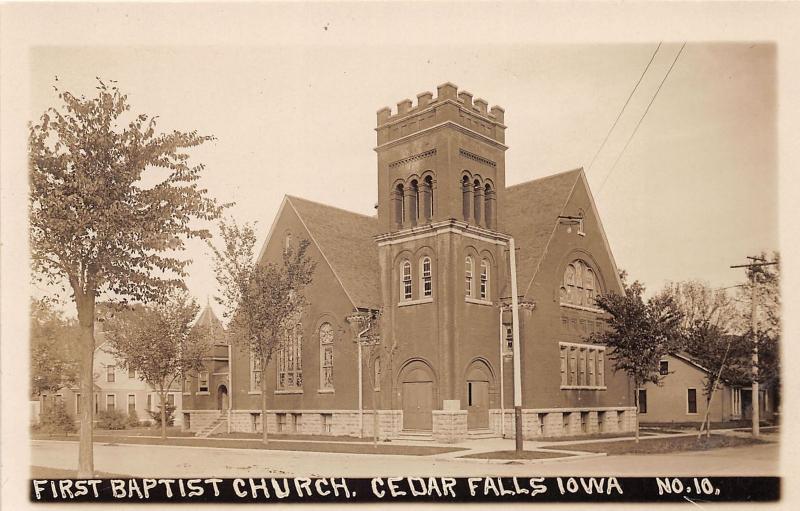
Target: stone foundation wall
539, 423
322, 422
199, 419
449, 426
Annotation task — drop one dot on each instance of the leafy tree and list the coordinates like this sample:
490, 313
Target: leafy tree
111, 203
262, 300
161, 344
639, 334
53, 351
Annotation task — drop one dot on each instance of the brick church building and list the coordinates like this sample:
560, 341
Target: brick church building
428, 282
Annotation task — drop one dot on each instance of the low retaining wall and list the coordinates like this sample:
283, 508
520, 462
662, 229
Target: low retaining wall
540, 423
307, 422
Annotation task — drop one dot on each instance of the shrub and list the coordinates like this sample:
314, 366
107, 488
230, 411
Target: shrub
156, 415
133, 420
111, 419
55, 419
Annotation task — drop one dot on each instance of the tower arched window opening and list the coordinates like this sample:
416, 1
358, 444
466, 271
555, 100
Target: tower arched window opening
489, 206
427, 188
478, 202
399, 206
414, 206
466, 198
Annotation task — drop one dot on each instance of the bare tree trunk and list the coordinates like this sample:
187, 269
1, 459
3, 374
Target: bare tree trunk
636, 401
264, 438
85, 305
163, 394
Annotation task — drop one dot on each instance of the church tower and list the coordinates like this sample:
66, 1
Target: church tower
443, 158
441, 179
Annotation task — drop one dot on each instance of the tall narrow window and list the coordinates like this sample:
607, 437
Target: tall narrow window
414, 213
563, 359
110, 376
427, 281
131, 403
399, 207
326, 356
663, 367
255, 373
642, 401
287, 242
290, 359
406, 280
478, 203
484, 279
77, 405
428, 202
131, 374
691, 401
111, 402
488, 210
466, 198
468, 275
202, 381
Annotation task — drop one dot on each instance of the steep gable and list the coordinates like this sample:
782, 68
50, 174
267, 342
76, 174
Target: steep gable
345, 240
529, 213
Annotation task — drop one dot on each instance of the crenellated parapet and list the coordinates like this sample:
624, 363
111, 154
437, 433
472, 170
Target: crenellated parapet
451, 105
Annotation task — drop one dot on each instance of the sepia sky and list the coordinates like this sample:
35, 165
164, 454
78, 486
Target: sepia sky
693, 193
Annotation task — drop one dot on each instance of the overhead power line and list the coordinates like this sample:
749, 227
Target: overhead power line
636, 128
623, 109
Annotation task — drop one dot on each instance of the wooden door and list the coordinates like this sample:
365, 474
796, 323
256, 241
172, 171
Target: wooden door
477, 404
418, 405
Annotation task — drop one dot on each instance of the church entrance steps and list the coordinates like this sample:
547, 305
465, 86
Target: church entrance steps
212, 427
478, 434
414, 435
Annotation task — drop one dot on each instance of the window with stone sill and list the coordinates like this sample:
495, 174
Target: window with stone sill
582, 366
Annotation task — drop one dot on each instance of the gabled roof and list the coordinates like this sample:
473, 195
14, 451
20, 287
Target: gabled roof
346, 242
529, 213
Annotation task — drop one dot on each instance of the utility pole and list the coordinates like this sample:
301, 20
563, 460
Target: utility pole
512, 256
757, 262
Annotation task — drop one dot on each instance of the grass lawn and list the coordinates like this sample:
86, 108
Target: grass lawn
276, 445
284, 436
59, 473
663, 445
591, 437
512, 455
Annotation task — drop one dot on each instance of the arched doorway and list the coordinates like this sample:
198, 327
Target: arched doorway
478, 379
417, 387
222, 398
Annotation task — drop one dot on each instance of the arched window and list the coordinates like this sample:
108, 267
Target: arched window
326, 356
478, 202
405, 283
290, 359
466, 198
484, 290
399, 207
489, 204
287, 242
414, 209
468, 275
580, 285
427, 188
426, 277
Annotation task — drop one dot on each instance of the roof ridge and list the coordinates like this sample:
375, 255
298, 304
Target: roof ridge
550, 176
290, 197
